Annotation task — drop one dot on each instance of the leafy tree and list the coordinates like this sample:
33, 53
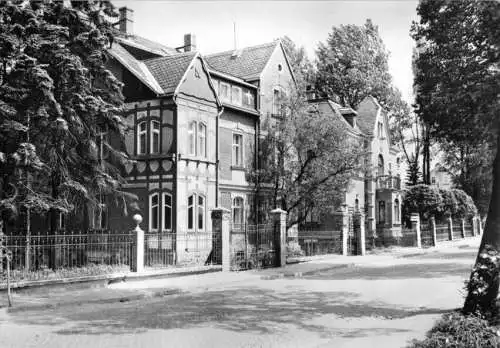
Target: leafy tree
300, 63
457, 86
470, 169
423, 199
465, 205
450, 205
310, 158
57, 100
353, 64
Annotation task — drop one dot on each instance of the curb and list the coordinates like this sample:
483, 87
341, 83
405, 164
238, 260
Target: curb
135, 297
92, 282
298, 274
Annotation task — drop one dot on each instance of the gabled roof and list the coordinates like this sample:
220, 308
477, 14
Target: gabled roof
247, 63
136, 67
169, 71
146, 45
336, 112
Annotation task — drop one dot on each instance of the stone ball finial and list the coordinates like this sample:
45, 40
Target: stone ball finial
137, 219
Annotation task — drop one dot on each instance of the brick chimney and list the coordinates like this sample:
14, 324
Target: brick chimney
189, 42
126, 20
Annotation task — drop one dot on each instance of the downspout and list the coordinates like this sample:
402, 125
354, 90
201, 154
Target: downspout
217, 157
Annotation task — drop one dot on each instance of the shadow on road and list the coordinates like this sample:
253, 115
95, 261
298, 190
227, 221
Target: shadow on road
405, 271
252, 310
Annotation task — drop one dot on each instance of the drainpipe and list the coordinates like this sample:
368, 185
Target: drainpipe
217, 165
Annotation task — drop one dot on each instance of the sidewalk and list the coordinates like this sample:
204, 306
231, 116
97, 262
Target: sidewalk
136, 289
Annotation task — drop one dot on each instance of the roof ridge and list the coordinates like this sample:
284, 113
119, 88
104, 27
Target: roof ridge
173, 56
275, 42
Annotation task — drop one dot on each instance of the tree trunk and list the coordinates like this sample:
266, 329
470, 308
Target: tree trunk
484, 281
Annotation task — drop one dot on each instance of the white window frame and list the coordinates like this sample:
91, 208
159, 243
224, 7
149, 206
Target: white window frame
225, 98
239, 207
151, 207
202, 139
239, 151
141, 133
154, 132
203, 214
192, 128
236, 96
164, 215
249, 99
195, 212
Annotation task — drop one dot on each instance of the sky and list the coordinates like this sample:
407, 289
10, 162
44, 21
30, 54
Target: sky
306, 22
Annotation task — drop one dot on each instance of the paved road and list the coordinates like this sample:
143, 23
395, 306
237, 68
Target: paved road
381, 301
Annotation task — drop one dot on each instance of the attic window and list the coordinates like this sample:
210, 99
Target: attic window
196, 73
280, 67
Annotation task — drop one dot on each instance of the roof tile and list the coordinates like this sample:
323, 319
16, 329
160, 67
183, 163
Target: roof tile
247, 64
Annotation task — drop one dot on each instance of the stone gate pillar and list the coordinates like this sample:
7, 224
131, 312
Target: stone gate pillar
138, 264
415, 223
342, 225
279, 218
361, 234
221, 243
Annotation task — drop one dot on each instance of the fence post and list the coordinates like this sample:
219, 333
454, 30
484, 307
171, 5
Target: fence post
463, 228
361, 235
474, 226
433, 231
221, 229
138, 265
415, 221
450, 228
279, 218
342, 225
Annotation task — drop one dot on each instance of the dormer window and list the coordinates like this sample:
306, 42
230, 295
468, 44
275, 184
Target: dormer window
249, 99
225, 92
236, 96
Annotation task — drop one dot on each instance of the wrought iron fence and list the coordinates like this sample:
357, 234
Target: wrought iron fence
68, 254
253, 246
426, 237
457, 229
469, 232
181, 249
320, 242
442, 232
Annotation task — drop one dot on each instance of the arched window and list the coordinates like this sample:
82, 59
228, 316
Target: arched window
381, 211
192, 138
380, 165
202, 140
396, 210
238, 209
141, 138
356, 205
155, 137
154, 211
167, 211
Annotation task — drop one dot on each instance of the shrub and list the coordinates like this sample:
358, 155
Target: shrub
293, 249
459, 331
422, 199
465, 204
449, 204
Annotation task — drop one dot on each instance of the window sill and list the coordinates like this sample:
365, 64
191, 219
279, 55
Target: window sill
239, 168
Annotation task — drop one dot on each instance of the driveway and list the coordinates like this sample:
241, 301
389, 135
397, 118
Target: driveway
373, 301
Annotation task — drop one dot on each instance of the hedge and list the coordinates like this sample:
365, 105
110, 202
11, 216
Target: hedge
429, 201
